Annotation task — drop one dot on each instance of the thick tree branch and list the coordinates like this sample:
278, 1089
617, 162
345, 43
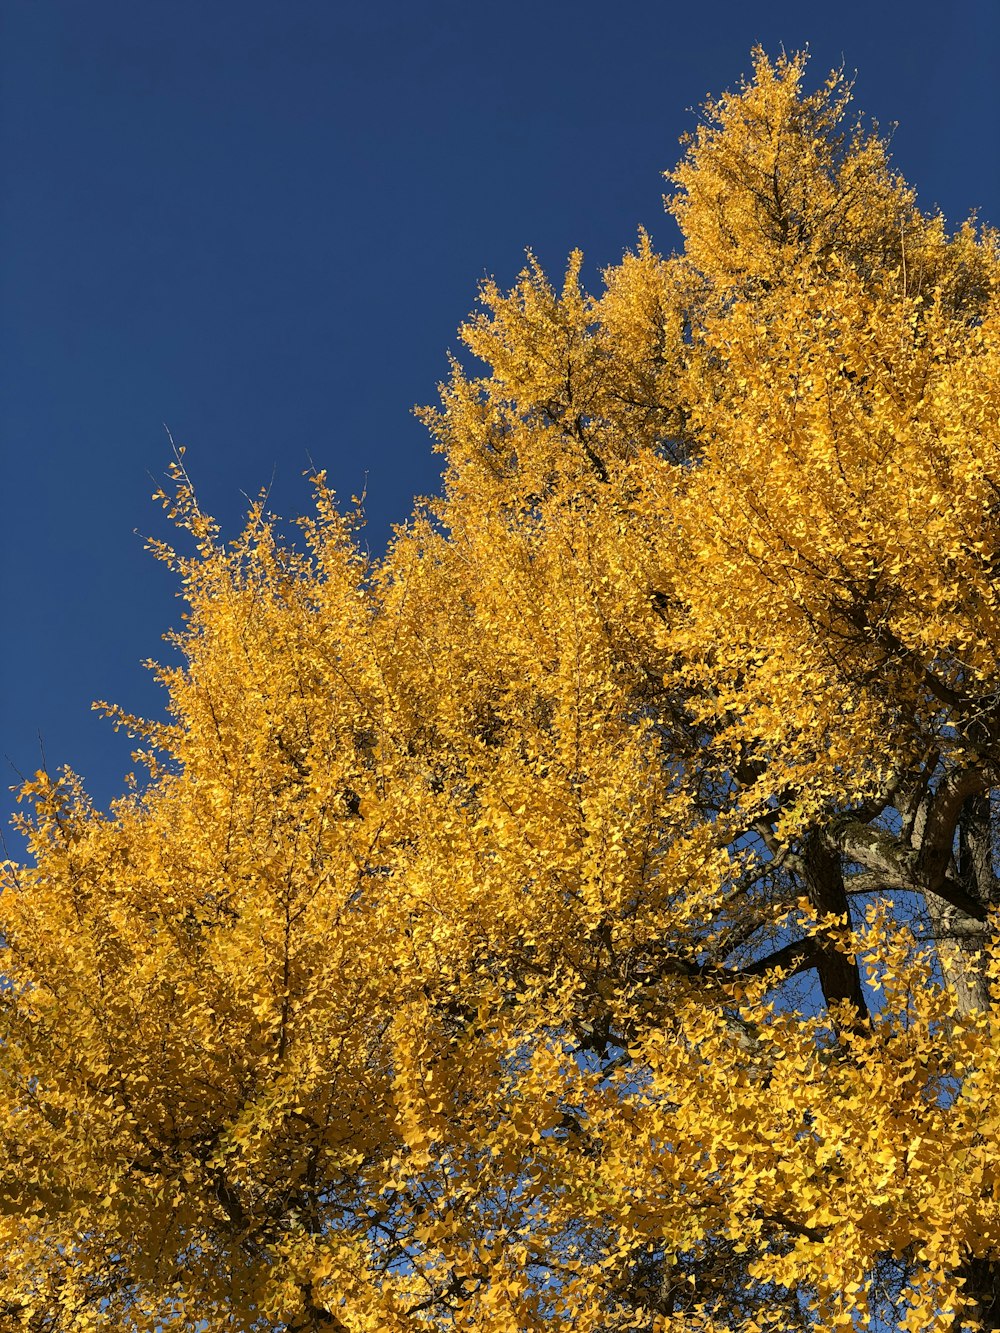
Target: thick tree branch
891, 864
799, 956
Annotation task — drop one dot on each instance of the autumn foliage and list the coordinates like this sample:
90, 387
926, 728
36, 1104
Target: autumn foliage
583, 917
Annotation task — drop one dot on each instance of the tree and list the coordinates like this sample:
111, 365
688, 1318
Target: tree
582, 918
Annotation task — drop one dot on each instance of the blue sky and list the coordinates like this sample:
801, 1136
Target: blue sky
261, 224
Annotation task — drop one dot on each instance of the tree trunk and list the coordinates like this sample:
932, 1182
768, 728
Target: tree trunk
838, 974
962, 942
982, 1285
962, 945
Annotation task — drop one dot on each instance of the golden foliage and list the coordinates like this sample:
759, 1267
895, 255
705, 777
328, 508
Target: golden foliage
582, 918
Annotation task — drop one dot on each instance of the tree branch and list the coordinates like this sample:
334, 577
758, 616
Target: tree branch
799, 955
892, 865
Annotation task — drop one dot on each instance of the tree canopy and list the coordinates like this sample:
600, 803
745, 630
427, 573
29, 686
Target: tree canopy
584, 917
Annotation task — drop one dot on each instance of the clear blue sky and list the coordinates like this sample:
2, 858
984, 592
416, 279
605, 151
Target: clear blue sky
262, 223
